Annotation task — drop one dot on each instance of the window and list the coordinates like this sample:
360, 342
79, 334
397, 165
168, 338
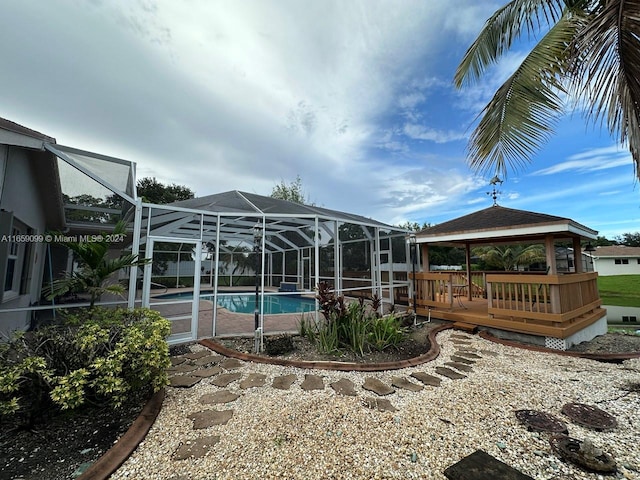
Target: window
15, 262
629, 319
622, 261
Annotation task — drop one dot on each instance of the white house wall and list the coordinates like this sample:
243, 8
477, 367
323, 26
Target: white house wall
20, 196
607, 266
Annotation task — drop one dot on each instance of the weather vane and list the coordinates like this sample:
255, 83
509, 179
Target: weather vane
494, 192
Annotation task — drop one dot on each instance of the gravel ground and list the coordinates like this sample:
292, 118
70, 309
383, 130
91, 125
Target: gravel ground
295, 434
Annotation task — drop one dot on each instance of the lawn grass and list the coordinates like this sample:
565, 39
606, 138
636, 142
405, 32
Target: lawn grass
620, 290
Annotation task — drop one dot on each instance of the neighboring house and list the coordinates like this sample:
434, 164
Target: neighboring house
614, 260
30, 205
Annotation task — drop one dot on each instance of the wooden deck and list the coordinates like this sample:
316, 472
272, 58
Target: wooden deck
546, 305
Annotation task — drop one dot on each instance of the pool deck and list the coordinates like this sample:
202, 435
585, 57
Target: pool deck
227, 323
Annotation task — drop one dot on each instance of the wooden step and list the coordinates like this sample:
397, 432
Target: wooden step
467, 327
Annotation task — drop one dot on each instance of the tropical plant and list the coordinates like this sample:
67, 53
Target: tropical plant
95, 266
589, 53
510, 257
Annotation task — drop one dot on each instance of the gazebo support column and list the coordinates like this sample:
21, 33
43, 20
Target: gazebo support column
554, 290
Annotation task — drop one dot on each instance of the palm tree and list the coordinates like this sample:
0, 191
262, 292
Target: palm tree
510, 257
95, 267
589, 53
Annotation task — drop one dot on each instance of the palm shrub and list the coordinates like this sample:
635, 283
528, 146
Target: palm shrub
100, 357
96, 267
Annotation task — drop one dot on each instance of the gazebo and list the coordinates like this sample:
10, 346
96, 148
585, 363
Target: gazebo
552, 308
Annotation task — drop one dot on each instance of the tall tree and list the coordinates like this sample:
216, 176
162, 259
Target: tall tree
629, 239
153, 191
589, 52
292, 192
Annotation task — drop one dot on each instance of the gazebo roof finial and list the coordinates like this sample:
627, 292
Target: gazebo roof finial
495, 192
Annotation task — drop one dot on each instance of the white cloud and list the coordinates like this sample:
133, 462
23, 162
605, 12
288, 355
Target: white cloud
590, 161
421, 132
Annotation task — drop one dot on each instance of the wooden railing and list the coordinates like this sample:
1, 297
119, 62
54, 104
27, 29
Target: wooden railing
553, 305
549, 305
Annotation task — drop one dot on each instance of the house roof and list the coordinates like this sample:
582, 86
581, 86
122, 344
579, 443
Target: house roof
497, 223
44, 167
617, 251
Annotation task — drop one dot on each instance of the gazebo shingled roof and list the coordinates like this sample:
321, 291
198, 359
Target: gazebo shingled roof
497, 222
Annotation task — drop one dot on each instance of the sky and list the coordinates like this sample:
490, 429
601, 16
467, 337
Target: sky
355, 97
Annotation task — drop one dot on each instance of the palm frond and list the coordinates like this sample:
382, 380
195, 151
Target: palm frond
606, 73
500, 31
522, 114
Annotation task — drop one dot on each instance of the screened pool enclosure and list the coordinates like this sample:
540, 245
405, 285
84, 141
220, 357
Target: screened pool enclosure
232, 244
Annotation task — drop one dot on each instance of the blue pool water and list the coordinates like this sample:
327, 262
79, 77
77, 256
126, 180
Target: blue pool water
244, 302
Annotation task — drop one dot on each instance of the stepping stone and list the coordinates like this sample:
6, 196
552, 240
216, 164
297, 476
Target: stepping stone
182, 368
457, 358
447, 372
344, 387
222, 396
377, 386
479, 466
491, 353
196, 355
184, 381
461, 337
224, 379
468, 355
197, 448
207, 372
463, 367
460, 342
209, 418
427, 379
401, 382
283, 382
380, 404
208, 359
312, 382
253, 380
469, 350
177, 361
231, 364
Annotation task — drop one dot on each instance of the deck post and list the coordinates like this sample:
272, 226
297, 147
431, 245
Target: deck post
554, 290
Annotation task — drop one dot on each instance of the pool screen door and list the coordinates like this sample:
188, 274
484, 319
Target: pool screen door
171, 284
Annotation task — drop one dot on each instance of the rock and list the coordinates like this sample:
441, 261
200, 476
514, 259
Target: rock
312, 382
344, 387
207, 372
427, 379
208, 360
283, 382
377, 386
184, 381
253, 380
232, 364
225, 379
222, 396
457, 358
209, 418
182, 368
401, 382
447, 372
381, 404
463, 367
470, 355
197, 448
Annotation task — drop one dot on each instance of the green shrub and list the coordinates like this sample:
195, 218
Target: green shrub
98, 357
385, 332
353, 326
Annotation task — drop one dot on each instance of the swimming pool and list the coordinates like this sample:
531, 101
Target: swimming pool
244, 302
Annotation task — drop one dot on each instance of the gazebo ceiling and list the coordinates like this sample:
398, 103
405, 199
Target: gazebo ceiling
498, 224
